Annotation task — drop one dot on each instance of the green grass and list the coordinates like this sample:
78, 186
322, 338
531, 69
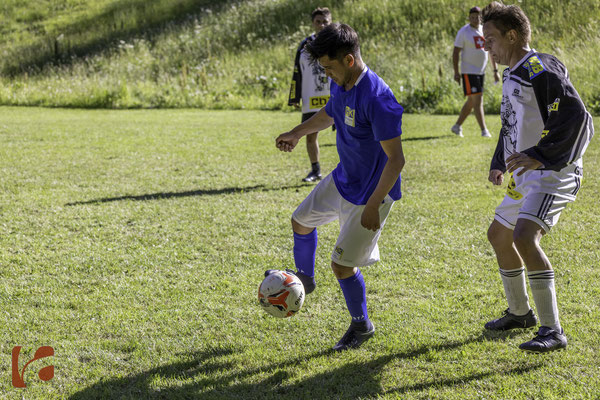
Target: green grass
230, 54
133, 243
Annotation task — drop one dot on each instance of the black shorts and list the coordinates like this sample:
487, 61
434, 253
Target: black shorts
472, 84
307, 116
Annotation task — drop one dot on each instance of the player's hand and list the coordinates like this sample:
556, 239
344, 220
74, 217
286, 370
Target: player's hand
370, 218
286, 142
496, 177
496, 77
457, 77
523, 161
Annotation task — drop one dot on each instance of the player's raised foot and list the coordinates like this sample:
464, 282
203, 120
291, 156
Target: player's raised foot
355, 336
313, 176
546, 339
485, 133
307, 281
457, 130
511, 321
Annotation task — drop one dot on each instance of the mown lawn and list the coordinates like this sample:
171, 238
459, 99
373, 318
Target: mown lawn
133, 242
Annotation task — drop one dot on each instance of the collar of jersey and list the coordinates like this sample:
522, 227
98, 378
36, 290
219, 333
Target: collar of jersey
522, 60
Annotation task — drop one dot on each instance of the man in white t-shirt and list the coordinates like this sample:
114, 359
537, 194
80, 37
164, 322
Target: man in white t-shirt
469, 44
311, 86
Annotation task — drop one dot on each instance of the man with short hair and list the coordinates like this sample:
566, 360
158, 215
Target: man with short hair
363, 187
311, 87
469, 47
545, 132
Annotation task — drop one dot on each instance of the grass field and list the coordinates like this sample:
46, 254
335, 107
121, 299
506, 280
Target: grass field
133, 242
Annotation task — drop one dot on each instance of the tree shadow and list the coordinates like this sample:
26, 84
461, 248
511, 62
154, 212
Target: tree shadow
129, 19
188, 193
222, 379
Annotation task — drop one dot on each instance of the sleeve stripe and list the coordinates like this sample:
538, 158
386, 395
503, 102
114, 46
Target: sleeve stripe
583, 139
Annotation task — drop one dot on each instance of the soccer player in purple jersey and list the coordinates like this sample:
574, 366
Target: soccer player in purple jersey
363, 187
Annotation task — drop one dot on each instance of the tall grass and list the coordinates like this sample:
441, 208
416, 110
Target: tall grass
238, 54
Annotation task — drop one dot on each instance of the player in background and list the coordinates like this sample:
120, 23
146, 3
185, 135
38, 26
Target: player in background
311, 86
545, 131
361, 190
469, 47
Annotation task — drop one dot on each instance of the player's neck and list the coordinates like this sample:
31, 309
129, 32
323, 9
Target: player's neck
517, 55
357, 69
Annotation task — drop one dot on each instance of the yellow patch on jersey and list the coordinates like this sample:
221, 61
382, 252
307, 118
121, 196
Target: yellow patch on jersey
545, 132
510, 190
318, 101
349, 118
535, 66
554, 106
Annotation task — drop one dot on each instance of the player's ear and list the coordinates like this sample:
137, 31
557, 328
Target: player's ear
349, 59
512, 36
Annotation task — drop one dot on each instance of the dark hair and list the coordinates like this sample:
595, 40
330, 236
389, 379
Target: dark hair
506, 18
334, 41
324, 11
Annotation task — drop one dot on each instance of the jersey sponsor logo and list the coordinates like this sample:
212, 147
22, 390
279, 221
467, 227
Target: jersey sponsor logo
554, 106
338, 252
479, 42
510, 190
545, 132
349, 117
318, 101
535, 66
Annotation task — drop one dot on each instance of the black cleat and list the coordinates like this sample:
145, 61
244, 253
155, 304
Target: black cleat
312, 177
354, 337
511, 321
307, 281
546, 339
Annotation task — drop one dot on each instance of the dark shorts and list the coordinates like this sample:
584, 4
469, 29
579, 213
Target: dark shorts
307, 116
472, 84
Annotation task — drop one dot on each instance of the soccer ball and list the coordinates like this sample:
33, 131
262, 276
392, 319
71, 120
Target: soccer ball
281, 294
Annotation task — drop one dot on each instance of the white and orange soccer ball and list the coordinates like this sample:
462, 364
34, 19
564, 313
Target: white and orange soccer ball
281, 294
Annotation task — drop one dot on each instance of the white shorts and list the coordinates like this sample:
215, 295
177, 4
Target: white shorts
356, 246
539, 196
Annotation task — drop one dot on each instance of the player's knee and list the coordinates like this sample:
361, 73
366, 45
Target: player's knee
496, 237
342, 272
524, 240
301, 229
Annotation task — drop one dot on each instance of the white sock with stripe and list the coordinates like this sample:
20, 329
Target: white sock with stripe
544, 295
516, 290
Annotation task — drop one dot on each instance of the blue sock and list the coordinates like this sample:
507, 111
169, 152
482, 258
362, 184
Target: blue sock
356, 299
305, 248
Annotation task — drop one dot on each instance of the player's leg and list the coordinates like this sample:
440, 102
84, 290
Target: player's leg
539, 213
356, 246
319, 208
312, 148
512, 273
479, 115
466, 108
500, 235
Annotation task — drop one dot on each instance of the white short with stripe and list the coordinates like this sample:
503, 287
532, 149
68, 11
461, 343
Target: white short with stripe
539, 196
355, 246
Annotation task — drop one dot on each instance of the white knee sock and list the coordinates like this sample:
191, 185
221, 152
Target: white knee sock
544, 295
516, 291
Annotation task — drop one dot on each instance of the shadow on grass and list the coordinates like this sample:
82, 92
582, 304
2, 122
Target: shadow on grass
210, 374
413, 139
199, 192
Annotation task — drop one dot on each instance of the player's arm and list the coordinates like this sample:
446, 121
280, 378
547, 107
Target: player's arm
393, 149
568, 128
498, 166
455, 58
318, 122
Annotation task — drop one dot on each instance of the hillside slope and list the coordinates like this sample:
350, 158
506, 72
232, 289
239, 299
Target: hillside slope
238, 54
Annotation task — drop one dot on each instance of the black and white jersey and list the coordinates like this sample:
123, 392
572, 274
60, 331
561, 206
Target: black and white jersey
309, 81
542, 115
